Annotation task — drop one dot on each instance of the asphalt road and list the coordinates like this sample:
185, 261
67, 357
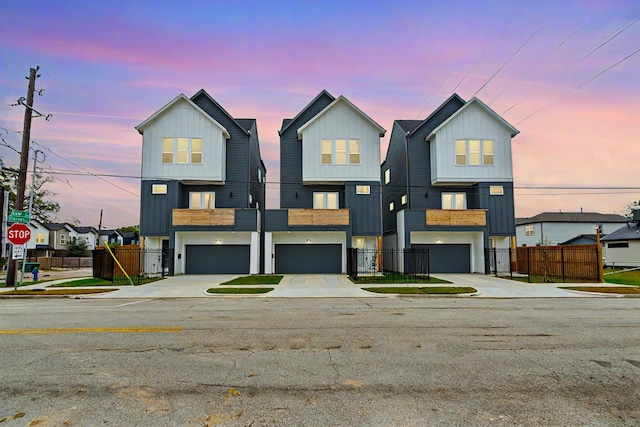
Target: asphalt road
320, 362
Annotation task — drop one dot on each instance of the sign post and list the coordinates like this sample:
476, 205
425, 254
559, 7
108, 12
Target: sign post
18, 234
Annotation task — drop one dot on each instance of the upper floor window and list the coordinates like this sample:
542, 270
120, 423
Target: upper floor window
363, 189
496, 190
387, 176
454, 201
40, 238
182, 150
63, 239
529, 230
474, 152
159, 189
340, 151
404, 199
202, 200
325, 200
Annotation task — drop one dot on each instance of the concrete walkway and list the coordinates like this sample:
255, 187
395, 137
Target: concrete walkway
331, 285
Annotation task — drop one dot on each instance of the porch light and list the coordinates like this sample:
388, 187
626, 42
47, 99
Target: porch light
218, 241
438, 240
308, 240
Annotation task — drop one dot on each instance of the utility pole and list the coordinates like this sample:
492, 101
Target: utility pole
24, 162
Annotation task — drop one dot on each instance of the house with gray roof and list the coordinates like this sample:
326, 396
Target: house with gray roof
553, 228
447, 185
623, 245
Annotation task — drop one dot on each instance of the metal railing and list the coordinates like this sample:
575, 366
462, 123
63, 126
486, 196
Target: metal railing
388, 265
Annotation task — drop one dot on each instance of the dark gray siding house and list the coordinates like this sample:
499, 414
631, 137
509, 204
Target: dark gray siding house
329, 188
447, 185
203, 187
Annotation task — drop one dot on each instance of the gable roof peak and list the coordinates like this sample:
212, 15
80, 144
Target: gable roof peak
287, 122
181, 97
217, 104
343, 99
453, 97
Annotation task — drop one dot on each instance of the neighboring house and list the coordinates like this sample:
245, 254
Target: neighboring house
88, 234
38, 245
130, 238
203, 187
582, 239
447, 185
553, 228
623, 244
59, 235
111, 237
329, 188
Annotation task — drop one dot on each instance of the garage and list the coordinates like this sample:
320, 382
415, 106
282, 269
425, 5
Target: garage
218, 259
448, 258
309, 259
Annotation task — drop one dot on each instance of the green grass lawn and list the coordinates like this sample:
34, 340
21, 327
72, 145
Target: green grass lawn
396, 278
239, 291
437, 290
605, 289
57, 291
82, 282
264, 279
624, 278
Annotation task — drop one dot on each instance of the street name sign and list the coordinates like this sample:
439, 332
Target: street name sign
19, 216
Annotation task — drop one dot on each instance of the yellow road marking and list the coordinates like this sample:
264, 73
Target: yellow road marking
134, 329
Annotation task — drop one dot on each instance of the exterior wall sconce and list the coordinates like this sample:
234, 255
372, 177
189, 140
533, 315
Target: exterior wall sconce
296, 194
426, 195
231, 194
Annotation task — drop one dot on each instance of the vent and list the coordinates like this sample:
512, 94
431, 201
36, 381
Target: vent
636, 215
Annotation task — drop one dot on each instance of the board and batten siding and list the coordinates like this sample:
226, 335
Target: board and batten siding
182, 120
340, 121
472, 123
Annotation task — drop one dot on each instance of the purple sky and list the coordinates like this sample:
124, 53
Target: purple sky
107, 68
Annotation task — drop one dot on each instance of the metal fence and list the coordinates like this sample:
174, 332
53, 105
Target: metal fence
138, 263
571, 263
388, 265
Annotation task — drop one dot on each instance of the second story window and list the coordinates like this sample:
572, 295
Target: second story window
62, 239
182, 150
454, 201
529, 230
202, 200
40, 238
340, 151
474, 152
387, 176
322, 200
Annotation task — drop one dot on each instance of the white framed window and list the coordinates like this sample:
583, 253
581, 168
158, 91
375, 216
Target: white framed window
40, 238
387, 176
474, 152
496, 190
340, 151
529, 230
159, 189
363, 189
325, 200
354, 151
327, 156
62, 239
182, 150
404, 199
202, 200
391, 206
167, 150
454, 201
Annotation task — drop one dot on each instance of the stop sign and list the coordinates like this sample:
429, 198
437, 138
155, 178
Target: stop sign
18, 234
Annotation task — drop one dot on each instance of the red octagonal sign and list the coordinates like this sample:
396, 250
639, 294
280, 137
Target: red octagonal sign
18, 234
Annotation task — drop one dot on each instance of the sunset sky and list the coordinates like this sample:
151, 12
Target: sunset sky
548, 67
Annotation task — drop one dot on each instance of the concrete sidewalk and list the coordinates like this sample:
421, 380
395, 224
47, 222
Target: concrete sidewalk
329, 286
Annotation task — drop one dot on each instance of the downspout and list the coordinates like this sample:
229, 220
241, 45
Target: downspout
406, 155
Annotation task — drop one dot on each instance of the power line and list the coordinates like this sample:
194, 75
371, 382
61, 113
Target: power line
578, 87
508, 60
608, 39
434, 94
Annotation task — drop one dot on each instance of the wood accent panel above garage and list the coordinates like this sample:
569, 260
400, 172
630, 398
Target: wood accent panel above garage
203, 217
455, 217
318, 217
